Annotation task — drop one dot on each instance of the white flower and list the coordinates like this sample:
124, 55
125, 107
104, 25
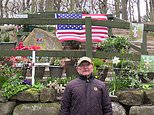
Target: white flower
115, 60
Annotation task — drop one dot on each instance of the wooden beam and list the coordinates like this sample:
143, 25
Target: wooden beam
99, 54
88, 37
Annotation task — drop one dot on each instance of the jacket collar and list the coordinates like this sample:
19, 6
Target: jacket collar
86, 78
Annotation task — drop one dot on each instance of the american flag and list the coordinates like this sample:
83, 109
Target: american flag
78, 32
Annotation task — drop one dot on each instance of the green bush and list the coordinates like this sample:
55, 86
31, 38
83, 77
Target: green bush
112, 45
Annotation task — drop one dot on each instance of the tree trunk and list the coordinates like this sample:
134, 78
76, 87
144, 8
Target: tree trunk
138, 9
151, 10
117, 8
6, 8
23, 5
40, 5
33, 6
49, 5
124, 10
1, 9
57, 4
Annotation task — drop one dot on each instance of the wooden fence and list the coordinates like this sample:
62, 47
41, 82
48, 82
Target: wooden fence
88, 22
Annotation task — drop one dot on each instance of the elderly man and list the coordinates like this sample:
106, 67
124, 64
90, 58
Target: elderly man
85, 95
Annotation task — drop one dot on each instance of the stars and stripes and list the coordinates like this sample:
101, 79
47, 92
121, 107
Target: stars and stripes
78, 32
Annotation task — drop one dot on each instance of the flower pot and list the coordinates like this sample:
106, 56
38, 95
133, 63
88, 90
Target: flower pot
56, 71
70, 69
7, 45
39, 72
102, 72
146, 78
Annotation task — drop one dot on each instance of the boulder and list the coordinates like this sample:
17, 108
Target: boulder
46, 40
118, 109
2, 99
7, 108
149, 97
47, 95
141, 110
37, 109
131, 97
27, 95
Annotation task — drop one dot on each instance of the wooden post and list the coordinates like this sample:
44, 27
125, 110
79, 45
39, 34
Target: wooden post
88, 24
144, 43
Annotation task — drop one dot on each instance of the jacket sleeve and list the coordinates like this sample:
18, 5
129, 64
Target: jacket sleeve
66, 102
106, 103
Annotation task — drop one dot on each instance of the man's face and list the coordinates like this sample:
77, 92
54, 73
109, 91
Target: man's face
85, 68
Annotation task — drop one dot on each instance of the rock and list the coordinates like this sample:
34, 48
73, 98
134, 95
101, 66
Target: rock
2, 99
118, 109
141, 110
46, 40
149, 97
47, 95
131, 97
37, 109
27, 95
7, 108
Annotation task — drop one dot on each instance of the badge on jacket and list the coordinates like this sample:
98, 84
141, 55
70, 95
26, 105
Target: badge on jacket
95, 89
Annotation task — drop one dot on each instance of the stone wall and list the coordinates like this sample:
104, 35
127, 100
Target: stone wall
47, 102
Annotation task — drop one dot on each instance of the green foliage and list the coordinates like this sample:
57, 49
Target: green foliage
147, 86
2, 81
13, 86
4, 36
97, 62
63, 80
57, 62
125, 80
119, 44
8, 71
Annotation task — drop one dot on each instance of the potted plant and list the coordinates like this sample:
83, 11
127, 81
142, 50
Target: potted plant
56, 68
70, 67
122, 66
5, 42
100, 68
119, 44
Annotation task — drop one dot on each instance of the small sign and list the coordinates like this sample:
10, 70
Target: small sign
21, 16
147, 63
136, 30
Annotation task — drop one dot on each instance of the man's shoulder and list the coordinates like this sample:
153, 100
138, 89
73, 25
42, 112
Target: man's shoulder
74, 81
99, 82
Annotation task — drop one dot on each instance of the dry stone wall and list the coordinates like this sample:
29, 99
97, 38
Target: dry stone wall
47, 102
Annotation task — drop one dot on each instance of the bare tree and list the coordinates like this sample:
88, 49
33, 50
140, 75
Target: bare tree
33, 6
124, 9
117, 8
138, 9
6, 8
1, 8
41, 5
49, 5
151, 10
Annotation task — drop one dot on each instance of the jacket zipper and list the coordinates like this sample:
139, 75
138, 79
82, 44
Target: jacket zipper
87, 81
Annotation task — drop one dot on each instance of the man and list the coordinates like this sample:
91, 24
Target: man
85, 95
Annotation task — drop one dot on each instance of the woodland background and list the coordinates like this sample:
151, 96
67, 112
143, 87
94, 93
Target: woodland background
124, 9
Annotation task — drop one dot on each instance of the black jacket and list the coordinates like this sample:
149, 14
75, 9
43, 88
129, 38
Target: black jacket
84, 96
